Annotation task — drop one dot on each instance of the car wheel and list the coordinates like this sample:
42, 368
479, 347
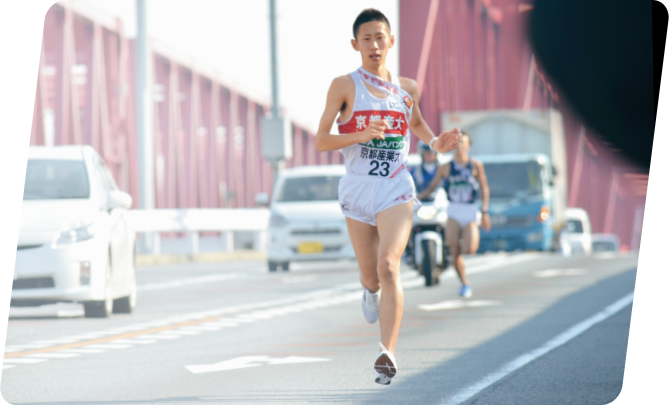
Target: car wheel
284, 266
102, 308
272, 266
127, 304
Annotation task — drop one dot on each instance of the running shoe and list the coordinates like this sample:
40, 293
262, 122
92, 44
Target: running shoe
370, 306
466, 291
385, 366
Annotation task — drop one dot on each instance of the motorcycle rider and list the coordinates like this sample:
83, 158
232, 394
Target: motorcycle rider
425, 172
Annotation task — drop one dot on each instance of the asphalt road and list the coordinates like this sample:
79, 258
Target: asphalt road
539, 329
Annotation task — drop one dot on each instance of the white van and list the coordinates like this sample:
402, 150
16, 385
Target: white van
577, 231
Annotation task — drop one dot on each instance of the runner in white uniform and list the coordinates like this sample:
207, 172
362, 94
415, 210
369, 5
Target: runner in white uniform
376, 112
377, 175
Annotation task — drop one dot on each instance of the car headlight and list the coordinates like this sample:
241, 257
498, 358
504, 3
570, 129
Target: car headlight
76, 234
426, 212
277, 220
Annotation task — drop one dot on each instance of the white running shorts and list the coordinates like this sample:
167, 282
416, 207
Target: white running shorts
362, 197
463, 213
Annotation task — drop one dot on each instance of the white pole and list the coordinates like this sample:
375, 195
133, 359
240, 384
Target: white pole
144, 117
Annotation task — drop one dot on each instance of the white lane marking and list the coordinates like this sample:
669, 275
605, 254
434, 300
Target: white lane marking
159, 336
8, 366
108, 346
82, 351
551, 273
492, 263
23, 360
132, 341
185, 332
202, 328
53, 355
184, 282
250, 361
458, 304
13, 349
555, 342
297, 303
298, 279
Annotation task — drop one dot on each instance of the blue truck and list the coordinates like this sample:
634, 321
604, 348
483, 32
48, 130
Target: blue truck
524, 158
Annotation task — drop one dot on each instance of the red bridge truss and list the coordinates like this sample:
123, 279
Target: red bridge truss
207, 151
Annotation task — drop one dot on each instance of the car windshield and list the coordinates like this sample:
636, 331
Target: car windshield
309, 188
55, 179
513, 179
604, 246
574, 226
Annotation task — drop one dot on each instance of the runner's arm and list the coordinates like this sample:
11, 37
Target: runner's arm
483, 183
325, 141
446, 141
433, 183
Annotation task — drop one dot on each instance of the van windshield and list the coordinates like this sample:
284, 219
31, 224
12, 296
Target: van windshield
55, 179
514, 179
574, 227
309, 188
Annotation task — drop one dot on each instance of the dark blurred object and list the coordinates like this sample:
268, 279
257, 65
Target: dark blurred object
599, 54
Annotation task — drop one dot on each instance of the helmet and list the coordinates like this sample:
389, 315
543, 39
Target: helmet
422, 147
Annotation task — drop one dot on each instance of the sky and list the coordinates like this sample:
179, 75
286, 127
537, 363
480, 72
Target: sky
233, 38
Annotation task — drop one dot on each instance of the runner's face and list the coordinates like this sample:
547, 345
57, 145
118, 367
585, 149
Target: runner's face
463, 145
373, 42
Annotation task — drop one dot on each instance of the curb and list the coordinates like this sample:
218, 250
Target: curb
242, 255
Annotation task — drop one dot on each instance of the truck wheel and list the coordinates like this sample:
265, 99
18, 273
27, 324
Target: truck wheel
428, 266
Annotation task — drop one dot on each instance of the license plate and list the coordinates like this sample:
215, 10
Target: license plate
310, 247
8, 270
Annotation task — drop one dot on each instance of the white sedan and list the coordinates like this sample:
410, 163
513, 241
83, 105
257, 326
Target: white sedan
306, 222
74, 244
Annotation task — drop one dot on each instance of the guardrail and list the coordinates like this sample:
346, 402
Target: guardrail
194, 221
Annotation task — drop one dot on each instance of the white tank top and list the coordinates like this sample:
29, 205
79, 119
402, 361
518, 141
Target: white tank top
379, 158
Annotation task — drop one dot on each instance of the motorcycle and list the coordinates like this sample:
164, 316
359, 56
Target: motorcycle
427, 250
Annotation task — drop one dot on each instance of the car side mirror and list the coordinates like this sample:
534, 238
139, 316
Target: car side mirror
117, 199
262, 199
554, 172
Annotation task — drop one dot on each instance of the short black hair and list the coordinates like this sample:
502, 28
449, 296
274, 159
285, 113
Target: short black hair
367, 15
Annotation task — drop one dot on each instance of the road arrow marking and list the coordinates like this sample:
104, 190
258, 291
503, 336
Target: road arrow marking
550, 273
458, 304
250, 361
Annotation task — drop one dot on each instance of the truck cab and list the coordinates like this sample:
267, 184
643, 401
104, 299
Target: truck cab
520, 203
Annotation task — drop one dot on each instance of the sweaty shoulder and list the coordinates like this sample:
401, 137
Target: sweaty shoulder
408, 85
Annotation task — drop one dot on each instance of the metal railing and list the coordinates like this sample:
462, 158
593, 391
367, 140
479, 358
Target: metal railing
194, 221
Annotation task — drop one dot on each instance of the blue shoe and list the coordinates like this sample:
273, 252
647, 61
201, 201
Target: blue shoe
466, 291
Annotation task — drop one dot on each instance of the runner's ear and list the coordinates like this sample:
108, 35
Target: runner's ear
354, 44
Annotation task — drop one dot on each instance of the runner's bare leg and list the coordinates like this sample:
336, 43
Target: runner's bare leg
365, 241
393, 225
470, 243
453, 239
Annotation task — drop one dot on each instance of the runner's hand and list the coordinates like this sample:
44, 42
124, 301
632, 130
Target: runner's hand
447, 140
486, 221
374, 130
